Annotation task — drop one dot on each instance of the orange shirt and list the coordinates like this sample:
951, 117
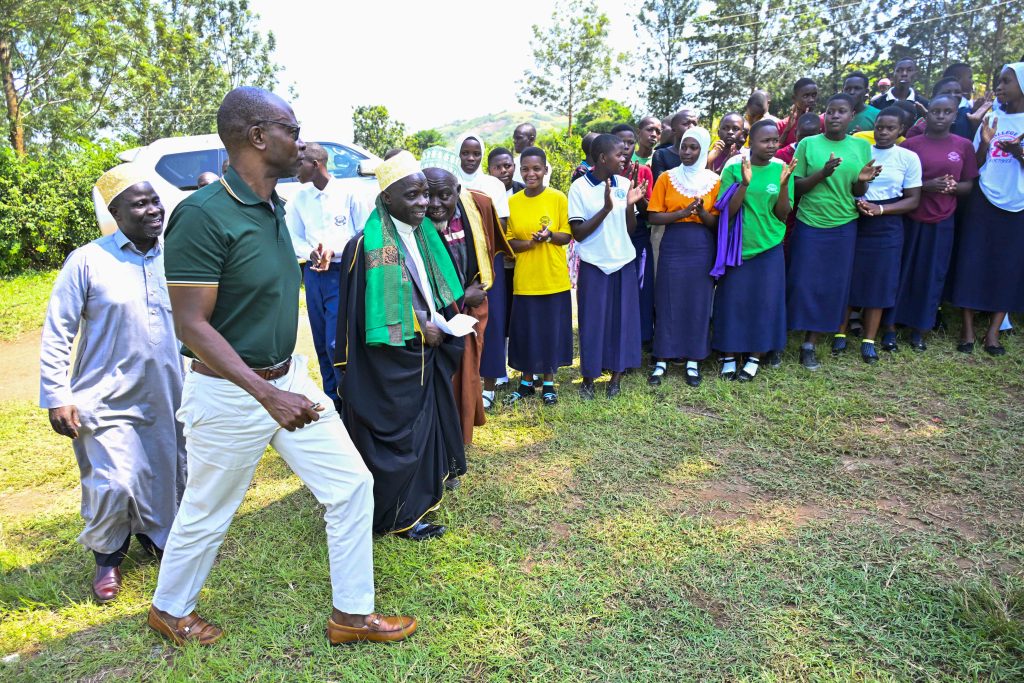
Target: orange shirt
666, 199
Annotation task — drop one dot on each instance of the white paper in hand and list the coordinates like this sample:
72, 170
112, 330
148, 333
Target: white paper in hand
459, 326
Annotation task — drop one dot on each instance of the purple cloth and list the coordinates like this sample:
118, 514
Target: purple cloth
730, 235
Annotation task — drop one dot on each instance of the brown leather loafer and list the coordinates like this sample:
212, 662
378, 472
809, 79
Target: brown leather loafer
190, 628
378, 630
106, 584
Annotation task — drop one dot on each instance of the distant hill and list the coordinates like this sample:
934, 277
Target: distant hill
497, 127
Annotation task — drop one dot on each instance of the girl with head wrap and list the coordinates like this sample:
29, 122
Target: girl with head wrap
470, 148
684, 201
988, 273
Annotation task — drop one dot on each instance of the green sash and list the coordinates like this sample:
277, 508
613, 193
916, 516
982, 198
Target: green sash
389, 316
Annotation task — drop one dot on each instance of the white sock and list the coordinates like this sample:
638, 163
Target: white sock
728, 365
692, 367
751, 366
659, 369
489, 395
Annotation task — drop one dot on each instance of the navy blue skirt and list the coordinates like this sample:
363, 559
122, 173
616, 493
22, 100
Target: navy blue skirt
818, 281
645, 274
540, 336
927, 248
989, 268
750, 305
876, 261
609, 319
683, 292
492, 360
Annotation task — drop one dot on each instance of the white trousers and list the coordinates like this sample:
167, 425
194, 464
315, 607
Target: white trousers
226, 433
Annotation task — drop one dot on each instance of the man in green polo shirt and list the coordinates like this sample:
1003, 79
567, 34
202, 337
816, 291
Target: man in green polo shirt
234, 288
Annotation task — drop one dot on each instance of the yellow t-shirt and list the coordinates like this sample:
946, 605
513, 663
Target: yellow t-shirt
542, 269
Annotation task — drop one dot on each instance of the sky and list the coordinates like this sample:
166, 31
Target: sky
428, 67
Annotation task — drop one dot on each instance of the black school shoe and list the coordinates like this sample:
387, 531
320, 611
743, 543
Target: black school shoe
587, 392
965, 347
889, 342
521, 392
693, 376
809, 359
775, 359
549, 395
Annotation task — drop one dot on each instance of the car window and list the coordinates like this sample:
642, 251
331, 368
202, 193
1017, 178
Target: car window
182, 169
342, 162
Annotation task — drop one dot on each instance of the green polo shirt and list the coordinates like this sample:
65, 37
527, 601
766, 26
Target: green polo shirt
224, 236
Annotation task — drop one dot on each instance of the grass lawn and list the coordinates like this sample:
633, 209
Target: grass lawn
857, 524
23, 303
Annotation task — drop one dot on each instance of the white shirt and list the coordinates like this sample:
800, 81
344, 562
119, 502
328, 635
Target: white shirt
901, 169
330, 217
412, 250
518, 176
493, 188
891, 97
609, 247
1001, 177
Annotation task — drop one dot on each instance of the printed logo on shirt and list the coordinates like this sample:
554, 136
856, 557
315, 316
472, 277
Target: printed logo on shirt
340, 220
771, 188
620, 193
954, 156
997, 153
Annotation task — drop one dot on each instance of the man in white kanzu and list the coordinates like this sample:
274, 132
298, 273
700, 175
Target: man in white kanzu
117, 402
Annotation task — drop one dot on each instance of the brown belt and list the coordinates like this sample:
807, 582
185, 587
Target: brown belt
275, 372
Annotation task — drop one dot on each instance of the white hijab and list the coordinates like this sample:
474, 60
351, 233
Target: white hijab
695, 181
1018, 68
467, 178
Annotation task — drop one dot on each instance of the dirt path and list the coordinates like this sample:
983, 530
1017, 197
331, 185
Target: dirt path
19, 363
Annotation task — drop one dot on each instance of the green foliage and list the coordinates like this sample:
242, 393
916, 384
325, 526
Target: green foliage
500, 125
189, 55
145, 69
564, 155
661, 26
373, 129
573, 64
46, 207
424, 139
601, 115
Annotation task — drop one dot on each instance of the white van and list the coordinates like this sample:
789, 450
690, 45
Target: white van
177, 162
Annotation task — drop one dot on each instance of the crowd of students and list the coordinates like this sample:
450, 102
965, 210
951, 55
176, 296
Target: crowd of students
864, 217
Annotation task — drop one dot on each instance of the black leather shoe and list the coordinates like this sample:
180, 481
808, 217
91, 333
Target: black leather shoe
693, 378
655, 380
965, 347
587, 392
422, 531
613, 390
452, 483
889, 342
995, 350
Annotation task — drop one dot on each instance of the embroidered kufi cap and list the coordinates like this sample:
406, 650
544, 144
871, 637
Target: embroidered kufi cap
442, 158
402, 165
118, 179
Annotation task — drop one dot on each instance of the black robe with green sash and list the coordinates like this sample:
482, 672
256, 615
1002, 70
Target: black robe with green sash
398, 406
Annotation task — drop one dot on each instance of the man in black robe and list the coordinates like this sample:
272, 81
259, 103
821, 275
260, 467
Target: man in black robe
394, 363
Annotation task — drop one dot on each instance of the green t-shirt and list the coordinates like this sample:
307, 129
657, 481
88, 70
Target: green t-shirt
762, 230
225, 236
644, 161
865, 120
831, 202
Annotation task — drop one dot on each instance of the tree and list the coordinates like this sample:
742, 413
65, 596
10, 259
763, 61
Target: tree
601, 115
424, 139
58, 62
573, 64
373, 129
660, 26
189, 55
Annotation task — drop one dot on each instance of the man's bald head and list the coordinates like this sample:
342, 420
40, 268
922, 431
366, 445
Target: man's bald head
243, 108
523, 136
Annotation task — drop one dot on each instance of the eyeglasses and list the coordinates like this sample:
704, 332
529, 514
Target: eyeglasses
293, 129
